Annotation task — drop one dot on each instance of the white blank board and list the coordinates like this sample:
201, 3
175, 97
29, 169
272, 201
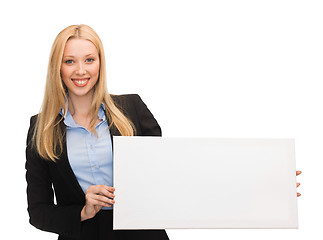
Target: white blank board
165, 183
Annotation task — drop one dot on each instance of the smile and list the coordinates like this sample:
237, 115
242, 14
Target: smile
81, 82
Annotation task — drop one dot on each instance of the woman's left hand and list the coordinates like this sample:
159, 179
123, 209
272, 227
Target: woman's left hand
297, 184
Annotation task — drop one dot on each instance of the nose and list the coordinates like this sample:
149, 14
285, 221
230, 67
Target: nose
80, 70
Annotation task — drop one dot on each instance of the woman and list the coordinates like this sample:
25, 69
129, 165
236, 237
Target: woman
69, 144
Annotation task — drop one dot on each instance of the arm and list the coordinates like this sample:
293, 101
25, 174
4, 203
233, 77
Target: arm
43, 213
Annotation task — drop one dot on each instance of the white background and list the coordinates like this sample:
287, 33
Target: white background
204, 68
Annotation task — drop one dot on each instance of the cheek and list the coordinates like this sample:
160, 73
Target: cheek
63, 72
95, 69
65, 75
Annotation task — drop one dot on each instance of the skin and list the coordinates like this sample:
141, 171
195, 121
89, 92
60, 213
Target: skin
80, 72
80, 61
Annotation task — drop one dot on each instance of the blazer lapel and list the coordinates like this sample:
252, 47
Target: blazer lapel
66, 171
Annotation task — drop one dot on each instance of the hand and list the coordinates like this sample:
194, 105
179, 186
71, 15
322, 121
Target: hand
96, 197
297, 184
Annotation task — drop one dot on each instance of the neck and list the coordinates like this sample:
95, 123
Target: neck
80, 106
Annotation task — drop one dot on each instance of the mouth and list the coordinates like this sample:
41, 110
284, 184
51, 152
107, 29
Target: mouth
80, 82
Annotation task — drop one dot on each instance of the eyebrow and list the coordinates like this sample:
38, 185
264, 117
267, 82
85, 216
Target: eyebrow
70, 56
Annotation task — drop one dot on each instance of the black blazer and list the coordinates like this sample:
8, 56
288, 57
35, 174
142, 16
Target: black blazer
44, 177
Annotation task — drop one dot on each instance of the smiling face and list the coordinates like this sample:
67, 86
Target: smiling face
80, 67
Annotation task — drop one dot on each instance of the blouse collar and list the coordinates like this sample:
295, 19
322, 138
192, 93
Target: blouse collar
68, 118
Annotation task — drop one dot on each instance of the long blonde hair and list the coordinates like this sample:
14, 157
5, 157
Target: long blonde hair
48, 134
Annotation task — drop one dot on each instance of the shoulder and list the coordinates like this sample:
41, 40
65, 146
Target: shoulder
128, 102
33, 120
135, 109
126, 98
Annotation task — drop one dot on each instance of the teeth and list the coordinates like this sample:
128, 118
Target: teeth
80, 81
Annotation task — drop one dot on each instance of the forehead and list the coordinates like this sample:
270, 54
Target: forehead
79, 47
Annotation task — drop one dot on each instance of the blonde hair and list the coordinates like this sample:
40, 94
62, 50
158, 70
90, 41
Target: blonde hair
48, 134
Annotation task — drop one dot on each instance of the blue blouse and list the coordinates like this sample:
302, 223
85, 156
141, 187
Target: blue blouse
89, 156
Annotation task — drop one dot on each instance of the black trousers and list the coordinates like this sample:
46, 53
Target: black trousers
101, 228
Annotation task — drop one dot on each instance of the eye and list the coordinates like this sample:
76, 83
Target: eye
89, 60
69, 61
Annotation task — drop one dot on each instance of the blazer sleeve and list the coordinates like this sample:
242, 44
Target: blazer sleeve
43, 212
148, 124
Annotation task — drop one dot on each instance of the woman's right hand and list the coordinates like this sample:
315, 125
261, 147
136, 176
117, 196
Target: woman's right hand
96, 197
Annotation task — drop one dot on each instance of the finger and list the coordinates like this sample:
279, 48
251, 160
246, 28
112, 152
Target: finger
101, 189
106, 193
100, 200
297, 184
110, 189
103, 199
99, 197
104, 188
298, 194
94, 202
94, 189
298, 173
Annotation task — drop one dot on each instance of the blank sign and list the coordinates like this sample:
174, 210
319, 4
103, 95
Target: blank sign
165, 183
